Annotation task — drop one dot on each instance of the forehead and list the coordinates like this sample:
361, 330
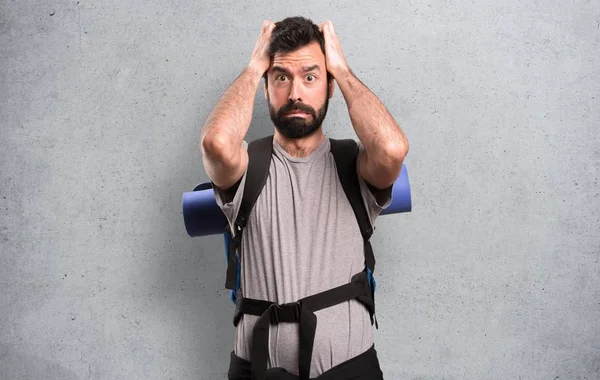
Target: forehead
304, 56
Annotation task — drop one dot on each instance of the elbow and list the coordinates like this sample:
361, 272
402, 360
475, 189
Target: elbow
220, 152
383, 167
213, 145
393, 155
387, 163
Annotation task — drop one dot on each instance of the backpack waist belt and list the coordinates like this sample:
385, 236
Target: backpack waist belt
302, 312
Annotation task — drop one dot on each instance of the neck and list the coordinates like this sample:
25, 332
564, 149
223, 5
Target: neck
301, 147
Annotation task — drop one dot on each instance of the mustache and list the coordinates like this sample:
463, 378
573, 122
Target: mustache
290, 107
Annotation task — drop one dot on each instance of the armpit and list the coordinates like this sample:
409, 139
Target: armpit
381, 195
229, 194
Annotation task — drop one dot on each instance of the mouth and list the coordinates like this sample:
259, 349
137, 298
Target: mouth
297, 114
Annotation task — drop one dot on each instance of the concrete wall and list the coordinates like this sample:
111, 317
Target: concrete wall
494, 275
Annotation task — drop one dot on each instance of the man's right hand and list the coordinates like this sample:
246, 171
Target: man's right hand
261, 60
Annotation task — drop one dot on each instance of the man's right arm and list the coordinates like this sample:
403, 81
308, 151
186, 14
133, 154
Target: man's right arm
225, 158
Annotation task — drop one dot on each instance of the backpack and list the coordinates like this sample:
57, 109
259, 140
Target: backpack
345, 153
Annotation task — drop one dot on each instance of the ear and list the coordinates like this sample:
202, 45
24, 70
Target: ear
330, 88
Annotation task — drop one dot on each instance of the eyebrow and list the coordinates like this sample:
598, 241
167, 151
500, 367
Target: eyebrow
304, 69
311, 68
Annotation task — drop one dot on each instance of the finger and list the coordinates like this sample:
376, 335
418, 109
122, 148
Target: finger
330, 26
269, 30
268, 25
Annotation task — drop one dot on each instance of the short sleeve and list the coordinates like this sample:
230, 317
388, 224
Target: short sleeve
370, 194
230, 200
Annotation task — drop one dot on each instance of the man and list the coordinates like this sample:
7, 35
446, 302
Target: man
302, 237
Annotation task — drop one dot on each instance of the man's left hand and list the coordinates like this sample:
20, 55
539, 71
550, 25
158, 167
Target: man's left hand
334, 56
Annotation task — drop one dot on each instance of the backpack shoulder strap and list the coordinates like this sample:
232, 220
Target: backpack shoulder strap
259, 160
259, 154
345, 153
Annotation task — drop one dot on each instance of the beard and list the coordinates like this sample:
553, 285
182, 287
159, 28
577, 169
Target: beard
297, 127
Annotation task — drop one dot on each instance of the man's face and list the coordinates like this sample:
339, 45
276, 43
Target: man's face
298, 93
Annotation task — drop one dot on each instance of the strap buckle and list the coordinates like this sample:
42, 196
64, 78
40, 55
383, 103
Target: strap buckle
287, 312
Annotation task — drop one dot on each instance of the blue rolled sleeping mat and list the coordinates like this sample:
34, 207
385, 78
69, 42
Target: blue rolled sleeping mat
203, 217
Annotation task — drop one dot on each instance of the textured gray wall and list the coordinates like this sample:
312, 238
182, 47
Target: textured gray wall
494, 275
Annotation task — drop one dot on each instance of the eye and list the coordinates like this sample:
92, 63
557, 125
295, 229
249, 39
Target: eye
311, 76
280, 77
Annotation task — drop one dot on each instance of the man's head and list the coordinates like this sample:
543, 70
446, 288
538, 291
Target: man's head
297, 80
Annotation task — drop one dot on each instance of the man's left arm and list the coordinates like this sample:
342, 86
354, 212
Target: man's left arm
384, 141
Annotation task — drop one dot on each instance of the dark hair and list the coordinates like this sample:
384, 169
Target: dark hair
294, 33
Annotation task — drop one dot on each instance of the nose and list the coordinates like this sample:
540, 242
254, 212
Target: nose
295, 92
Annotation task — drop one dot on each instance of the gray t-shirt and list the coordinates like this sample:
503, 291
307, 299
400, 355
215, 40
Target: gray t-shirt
302, 238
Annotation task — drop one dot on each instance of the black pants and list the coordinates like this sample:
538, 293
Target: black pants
362, 367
